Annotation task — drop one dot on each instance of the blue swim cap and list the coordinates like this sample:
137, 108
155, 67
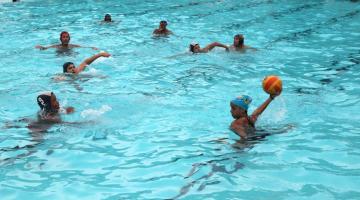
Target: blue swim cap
242, 101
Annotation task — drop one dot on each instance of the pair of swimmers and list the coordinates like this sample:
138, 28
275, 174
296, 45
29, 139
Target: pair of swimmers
243, 124
238, 45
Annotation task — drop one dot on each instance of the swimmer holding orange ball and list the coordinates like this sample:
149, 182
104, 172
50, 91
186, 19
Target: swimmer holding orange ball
244, 125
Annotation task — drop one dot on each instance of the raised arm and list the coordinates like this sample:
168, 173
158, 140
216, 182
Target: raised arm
261, 108
88, 61
215, 44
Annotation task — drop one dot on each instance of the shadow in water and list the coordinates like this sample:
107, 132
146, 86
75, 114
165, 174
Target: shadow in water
218, 165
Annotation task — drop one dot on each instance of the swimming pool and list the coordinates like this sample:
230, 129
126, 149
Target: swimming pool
153, 116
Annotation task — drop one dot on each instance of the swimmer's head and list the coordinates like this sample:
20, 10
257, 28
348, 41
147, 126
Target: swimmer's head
238, 40
240, 105
194, 47
69, 67
47, 102
163, 24
64, 37
107, 18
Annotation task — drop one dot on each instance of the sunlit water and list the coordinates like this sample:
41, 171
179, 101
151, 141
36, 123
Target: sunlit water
153, 119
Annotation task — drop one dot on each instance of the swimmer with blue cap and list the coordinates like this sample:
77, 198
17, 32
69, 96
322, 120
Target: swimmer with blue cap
243, 125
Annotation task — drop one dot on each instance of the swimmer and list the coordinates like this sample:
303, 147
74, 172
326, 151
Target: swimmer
65, 39
69, 67
162, 30
50, 107
107, 18
195, 47
244, 125
238, 44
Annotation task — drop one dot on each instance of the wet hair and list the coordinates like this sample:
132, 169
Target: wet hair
107, 18
64, 32
241, 39
163, 22
66, 65
191, 47
44, 101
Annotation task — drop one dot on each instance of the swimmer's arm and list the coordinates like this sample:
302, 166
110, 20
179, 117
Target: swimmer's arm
216, 44
238, 127
88, 61
78, 46
44, 48
261, 108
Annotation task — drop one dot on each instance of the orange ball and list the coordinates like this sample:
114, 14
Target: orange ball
272, 84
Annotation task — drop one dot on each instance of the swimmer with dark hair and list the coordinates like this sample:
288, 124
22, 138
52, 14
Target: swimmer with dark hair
162, 30
64, 39
244, 125
69, 67
195, 47
238, 44
107, 18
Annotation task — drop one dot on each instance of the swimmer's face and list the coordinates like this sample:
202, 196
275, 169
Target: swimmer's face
70, 68
196, 48
54, 103
236, 111
65, 38
238, 40
163, 24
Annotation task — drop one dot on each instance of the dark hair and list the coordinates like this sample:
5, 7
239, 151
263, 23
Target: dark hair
107, 18
163, 22
66, 65
241, 39
192, 47
64, 32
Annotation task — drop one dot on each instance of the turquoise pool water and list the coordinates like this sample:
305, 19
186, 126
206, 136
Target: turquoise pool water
152, 116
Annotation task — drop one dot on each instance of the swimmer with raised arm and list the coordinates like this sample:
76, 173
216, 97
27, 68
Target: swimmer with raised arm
64, 39
244, 125
195, 47
69, 67
238, 44
162, 30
